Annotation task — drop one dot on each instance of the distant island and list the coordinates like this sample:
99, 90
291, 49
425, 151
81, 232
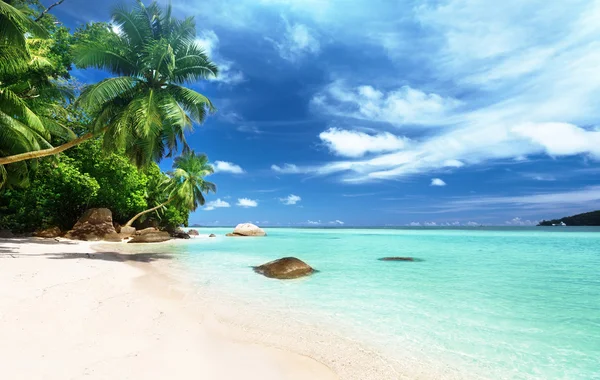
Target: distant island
586, 219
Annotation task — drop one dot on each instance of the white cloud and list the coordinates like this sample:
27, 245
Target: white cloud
216, 204
209, 41
227, 167
285, 169
337, 221
290, 200
430, 224
402, 106
437, 182
298, 41
245, 202
356, 144
520, 222
415, 224
588, 195
313, 222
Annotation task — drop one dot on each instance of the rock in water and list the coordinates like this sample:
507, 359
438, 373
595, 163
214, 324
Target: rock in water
399, 259
151, 237
193, 232
285, 268
212, 235
248, 229
93, 225
49, 233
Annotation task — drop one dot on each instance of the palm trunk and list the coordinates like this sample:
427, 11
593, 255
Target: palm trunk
45, 152
130, 222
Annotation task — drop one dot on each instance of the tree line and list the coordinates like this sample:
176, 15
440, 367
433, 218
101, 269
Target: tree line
67, 146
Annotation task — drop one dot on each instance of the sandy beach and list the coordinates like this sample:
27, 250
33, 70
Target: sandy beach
69, 312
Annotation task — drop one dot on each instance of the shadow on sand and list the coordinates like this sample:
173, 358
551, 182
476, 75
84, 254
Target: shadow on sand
105, 256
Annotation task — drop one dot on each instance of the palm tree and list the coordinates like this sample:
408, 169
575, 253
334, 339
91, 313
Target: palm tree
28, 108
146, 109
186, 185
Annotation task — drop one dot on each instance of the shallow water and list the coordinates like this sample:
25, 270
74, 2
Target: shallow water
494, 303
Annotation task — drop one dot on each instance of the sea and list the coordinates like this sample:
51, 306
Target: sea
497, 303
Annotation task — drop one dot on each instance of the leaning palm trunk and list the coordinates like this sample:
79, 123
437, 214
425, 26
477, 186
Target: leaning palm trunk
130, 222
45, 152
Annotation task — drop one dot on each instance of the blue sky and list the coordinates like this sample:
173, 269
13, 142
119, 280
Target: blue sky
372, 112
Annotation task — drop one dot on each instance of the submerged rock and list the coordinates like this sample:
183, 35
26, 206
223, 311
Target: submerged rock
49, 233
151, 237
247, 229
285, 268
94, 224
399, 259
212, 235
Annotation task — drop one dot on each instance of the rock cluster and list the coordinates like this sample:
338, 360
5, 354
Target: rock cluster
95, 224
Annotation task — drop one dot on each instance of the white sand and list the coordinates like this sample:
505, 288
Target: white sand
69, 313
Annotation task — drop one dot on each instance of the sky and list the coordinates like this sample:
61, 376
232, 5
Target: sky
391, 113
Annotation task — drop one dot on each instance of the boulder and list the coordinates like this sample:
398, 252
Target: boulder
151, 237
127, 231
49, 233
285, 268
148, 230
248, 229
117, 227
95, 224
114, 237
231, 234
179, 233
193, 232
212, 235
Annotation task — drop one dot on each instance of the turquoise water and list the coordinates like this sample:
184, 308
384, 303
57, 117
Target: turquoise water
502, 303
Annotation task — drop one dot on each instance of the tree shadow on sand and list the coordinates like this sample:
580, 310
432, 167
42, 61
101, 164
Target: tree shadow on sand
105, 256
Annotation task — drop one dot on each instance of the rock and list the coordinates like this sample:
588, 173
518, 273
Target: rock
179, 233
114, 237
248, 229
49, 233
148, 230
231, 234
285, 268
212, 235
93, 225
193, 232
127, 231
117, 227
399, 259
6, 234
151, 237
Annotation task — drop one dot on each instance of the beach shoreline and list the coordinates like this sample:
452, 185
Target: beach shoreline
75, 309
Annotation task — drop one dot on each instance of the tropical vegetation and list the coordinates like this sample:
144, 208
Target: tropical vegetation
111, 134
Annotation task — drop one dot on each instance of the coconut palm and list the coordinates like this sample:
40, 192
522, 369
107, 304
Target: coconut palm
28, 108
146, 109
186, 185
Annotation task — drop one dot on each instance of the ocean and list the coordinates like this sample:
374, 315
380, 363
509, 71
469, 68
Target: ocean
495, 303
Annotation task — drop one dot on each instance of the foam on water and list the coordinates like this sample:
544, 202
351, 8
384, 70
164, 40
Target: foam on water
501, 304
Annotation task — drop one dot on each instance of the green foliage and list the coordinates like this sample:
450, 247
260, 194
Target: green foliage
57, 195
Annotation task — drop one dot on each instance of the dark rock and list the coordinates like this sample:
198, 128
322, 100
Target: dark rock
233, 234
179, 233
117, 227
399, 259
151, 237
93, 225
49, 233
6, 234
193, 232
212, 235
285, 268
